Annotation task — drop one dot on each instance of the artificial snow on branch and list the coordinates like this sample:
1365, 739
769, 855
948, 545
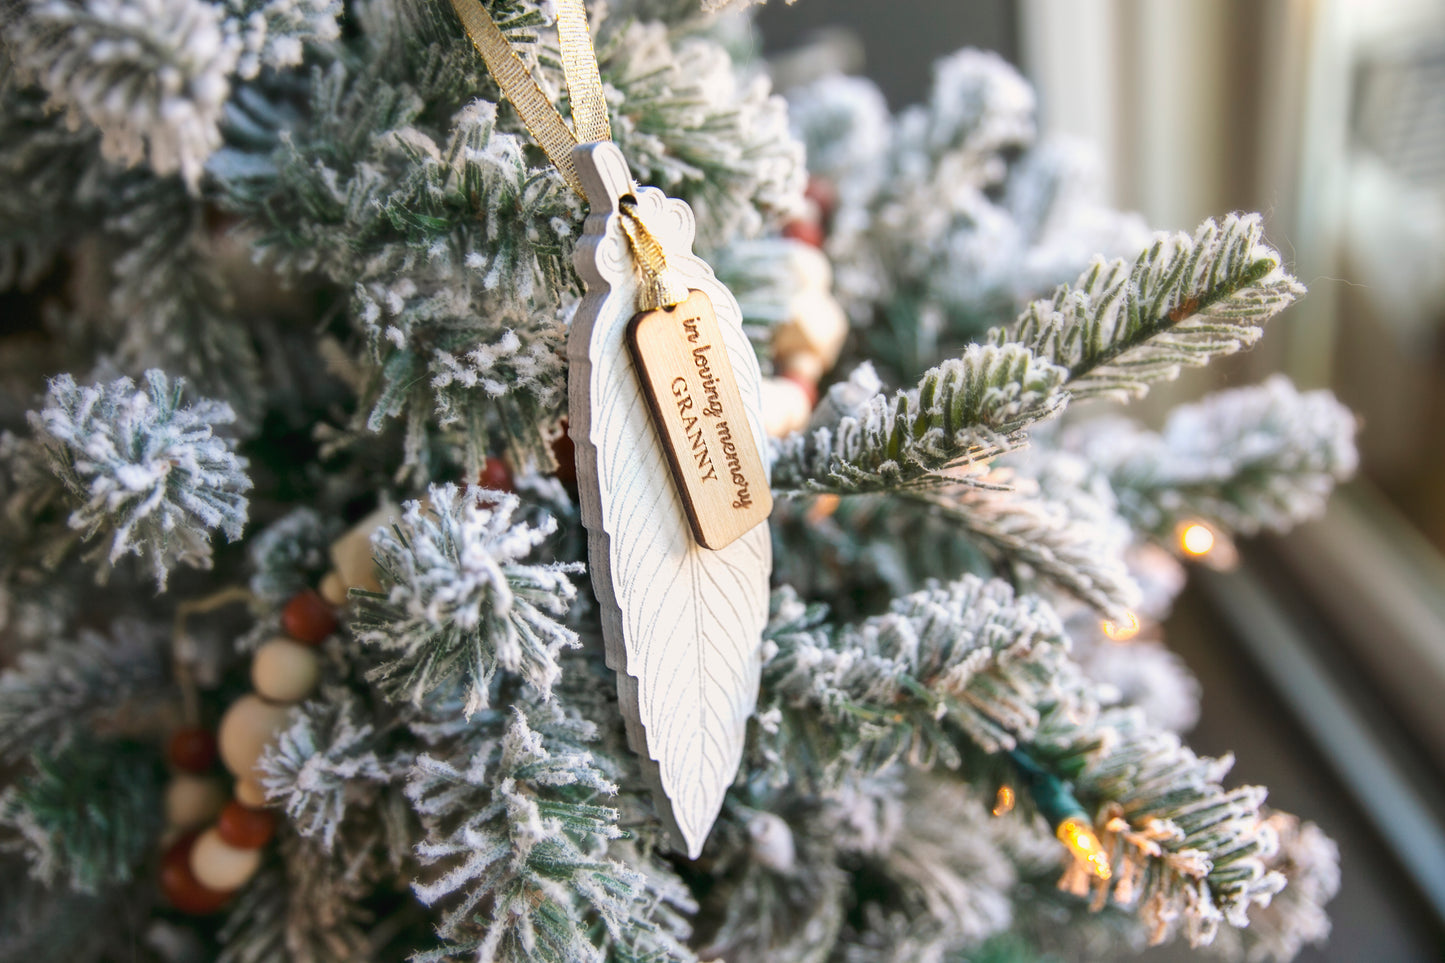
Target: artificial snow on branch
690, 123
1187, 852
1296, 917
1032, 535
950, 215
1182, 302
55, 693
1264, 457
151, 75
459, 601
970, 654
66, 837
146, 474
325, 760
303, 907
517, 847
966, 410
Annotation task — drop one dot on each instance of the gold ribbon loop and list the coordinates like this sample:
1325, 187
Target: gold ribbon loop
579, 65
662, 287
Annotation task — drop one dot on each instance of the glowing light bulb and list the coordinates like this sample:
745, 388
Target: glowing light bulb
1122, 630
1079, 837
1196, 539
1003, 803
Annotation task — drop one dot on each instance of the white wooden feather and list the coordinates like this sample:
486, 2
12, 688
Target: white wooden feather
682, 623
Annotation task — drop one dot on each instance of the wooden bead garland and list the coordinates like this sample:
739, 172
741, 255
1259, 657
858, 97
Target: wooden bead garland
808, 343
245, 730
308, 618
282, 671
217, 865
192, 800
243, 826
192, 749
249, 792
203, 867
220, 846
180, 886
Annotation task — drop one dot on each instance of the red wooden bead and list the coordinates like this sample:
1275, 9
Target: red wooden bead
566, 454
307, 618
245, 828
495, 475
809, 388
180, 886
809, 232
192, 749
824, 194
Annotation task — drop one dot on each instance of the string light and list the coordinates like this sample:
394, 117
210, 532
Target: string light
1079, 837
1124, 629
1204, 543
1003, 803
823, 506
1196, 539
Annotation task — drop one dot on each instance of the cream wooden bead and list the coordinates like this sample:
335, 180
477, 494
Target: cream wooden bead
245, 730
285, 671
250, 793
218, 865
816, 323
802, 364
785, 407
192, 800
810, 268
333, 589
351, 553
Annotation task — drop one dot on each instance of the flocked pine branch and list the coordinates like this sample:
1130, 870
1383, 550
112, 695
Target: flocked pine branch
459, 601
152, 76
273, 33
87, 816
324, 761
516, 841
171, 304
971, 665
950, 878
143, 474
969, 657
1265, 457
1182, 302
950, 215
1188, 854
1033, 536
1296, 917
290, 554
304, 905
690, 123
451, 244
55, 693
780, 892
52, 178
966, 410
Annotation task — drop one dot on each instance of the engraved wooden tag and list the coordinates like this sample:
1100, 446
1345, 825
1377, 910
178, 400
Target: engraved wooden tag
688, 382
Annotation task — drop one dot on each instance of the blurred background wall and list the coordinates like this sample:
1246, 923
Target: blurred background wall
1323, 656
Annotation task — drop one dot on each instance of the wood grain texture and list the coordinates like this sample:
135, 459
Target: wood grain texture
701, 420
682, 623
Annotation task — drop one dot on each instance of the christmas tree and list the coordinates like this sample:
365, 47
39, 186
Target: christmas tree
285, 388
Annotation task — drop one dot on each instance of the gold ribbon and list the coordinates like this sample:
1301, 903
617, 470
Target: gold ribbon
522, 89
590, 124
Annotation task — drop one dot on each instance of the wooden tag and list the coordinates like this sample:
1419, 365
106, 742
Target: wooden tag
688, 382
